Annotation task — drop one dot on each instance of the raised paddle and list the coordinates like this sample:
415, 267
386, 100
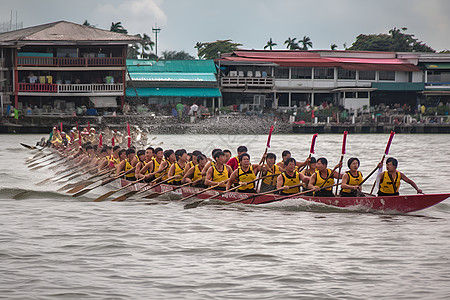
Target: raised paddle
82, 192
131, 193
195, 204
311, 150
386, 152
205, 190
263, 158
104, 196
342, 158
28, 146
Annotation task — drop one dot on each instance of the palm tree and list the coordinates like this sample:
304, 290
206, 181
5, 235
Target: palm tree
333, 46
117, 27
306, 42
291, 44
146, 45
86, 23
270, 44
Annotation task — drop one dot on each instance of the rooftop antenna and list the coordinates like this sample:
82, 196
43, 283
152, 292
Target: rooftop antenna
156, 30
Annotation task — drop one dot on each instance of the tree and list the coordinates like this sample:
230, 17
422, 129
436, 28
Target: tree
333, 46
211, 49
176, 55
117, 27
397, 40
291, 44
86, 23
142, 49
306, 43
270, 44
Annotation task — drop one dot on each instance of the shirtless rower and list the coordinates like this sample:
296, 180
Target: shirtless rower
351, 179
390, 179
177, 168
270, 168
318, 179
195, 173
246, 172
218, 173
290, 177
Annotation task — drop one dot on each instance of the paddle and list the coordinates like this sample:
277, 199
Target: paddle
305, 192
131, 193
154, 195
51, 163
386, 152
28, 146
104, 196
311, 150
82, 192
263, 158
342, 158
195, 204
86, 182
205, 190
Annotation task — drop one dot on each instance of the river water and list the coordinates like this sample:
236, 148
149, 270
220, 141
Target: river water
54, 246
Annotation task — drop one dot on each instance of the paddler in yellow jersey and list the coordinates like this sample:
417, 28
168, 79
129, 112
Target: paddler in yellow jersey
147, 158
125, 165
309, 171
192, 160
390, 179
351, 179
151, 168
272, 170
219, 172
246, 172
195, 174
114, 158
323, 178
169, 160
177, 168
211, 161
290, 180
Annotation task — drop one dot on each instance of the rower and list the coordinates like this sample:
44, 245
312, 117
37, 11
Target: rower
211, 162
218, 173
290, 177
351, 179
234, 161
148, 156
114, 159
243, 174
177, 168
284, 155
227, 154
169, 160
125, 165
390, 179
153, 166
272, 170
318, 179
192, 161
195, 173
309, 171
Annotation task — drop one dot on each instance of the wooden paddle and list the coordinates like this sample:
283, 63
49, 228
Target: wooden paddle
308, 191
205, 190
195, 204
386, 151
82, 192
263, 158
104, 196
311, 150
51, 163
154, 195
131, 193
28, 146
342, 158
86, 182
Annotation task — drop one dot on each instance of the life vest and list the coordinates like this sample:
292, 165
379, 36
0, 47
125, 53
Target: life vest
320, 180
128, 166
143, 163
219, 176
386, 184
197, 173
290, 181
113, 161
272, 180
191, 164
247, 176
166, 171
178, 171
156, 165
353, 180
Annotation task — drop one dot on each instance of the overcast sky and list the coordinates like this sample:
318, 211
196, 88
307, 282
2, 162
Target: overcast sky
249, 22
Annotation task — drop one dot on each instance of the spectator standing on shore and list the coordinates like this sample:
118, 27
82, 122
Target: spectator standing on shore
126, 108
194, 109
179, 107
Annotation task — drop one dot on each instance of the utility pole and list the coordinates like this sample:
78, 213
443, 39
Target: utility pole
156, 30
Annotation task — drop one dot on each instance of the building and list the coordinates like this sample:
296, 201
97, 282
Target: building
56, 67
351, 79
170, 82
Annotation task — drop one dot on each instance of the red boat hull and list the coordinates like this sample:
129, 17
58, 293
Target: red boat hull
401, 204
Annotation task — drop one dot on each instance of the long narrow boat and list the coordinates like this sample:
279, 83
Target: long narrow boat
388, 204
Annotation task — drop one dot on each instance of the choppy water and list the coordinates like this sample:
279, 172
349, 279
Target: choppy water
54, 246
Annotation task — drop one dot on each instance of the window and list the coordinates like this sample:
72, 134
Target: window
387, 75
301, 73
363, 95
350, 95
323, 73
366, 75
282, 72
346, 74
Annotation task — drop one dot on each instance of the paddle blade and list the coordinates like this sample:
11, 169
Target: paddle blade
344, 142
193, 204
391, 137
82, 192
66, 187
45, 181
152, 195
104, 196
270, 136
313, 143
125, 196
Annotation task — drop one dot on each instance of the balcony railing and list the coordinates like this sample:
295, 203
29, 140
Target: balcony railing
70, 88
70, 61
247, 81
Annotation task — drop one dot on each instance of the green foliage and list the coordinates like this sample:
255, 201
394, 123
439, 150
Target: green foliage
291, 44
142, 49
396, 41
176, 55
210, 50
306, 43
333, 46
86, 23
270, 44
117, 27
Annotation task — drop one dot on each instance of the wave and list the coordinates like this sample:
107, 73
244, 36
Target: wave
24, 194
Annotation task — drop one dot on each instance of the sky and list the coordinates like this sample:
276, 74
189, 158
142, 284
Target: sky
252, 23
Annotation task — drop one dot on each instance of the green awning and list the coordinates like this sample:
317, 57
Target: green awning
172, 76
183, 66
174, 92
399, 86
437, 66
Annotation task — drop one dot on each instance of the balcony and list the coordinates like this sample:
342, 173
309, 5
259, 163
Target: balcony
32, 61
265, 82
78, 89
